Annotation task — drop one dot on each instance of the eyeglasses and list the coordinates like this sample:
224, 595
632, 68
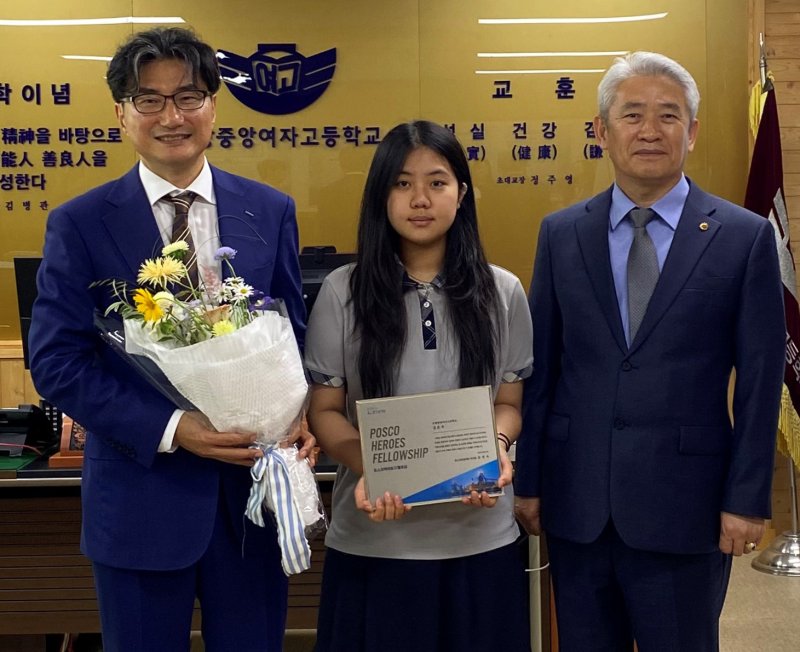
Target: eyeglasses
148, 103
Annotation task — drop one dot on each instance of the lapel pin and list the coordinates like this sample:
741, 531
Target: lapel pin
704, 226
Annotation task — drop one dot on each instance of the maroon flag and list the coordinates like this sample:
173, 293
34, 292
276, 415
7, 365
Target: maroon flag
765, 197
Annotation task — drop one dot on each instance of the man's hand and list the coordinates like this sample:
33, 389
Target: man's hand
306, 442
386, 508
196, 435
527, 512
736, 532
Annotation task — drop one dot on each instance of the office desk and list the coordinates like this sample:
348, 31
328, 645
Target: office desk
46, 584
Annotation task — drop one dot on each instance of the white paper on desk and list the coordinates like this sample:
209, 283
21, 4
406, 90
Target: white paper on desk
430, 448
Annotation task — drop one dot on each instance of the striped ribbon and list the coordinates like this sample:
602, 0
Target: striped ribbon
272, 489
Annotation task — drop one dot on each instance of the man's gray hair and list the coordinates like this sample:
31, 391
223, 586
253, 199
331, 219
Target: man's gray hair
649, 64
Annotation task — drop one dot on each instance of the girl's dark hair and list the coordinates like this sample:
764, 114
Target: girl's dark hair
377, 281
155, 45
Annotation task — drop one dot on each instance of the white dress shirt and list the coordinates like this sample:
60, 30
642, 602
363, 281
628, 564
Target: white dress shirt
204, 227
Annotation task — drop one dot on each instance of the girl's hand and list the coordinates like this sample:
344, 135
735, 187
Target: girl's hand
483, 499
386, 508
506, 468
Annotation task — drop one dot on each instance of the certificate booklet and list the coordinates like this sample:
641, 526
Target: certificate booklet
430, 448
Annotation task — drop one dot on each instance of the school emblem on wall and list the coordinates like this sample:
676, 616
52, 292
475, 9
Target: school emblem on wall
277, 79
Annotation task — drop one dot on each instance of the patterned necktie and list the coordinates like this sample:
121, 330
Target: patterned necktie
642, 269
181, 231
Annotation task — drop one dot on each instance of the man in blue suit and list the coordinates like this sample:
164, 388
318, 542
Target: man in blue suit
164, 495
628, 459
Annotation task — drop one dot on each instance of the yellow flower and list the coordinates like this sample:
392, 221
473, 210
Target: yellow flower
177, 249
160, 271
147, 305
224, 327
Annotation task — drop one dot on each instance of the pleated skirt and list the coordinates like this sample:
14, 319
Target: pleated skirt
477, 603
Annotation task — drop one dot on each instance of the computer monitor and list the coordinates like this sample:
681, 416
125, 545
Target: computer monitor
25, 274
315, 264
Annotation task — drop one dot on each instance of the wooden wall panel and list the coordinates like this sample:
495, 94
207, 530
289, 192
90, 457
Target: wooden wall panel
788, 91
790, 141
782, 6
789, 116
781, 24
782, 47
785, 69
16, 386
791, 183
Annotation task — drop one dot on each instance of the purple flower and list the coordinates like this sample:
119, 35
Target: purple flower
225, 253
260, 301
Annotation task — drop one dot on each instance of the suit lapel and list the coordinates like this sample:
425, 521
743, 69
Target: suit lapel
130, 221
592, 233
696, 229
239, 225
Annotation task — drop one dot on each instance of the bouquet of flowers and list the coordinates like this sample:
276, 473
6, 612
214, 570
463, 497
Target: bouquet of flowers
228, 350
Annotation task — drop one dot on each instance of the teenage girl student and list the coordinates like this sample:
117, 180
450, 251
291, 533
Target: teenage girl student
421, 310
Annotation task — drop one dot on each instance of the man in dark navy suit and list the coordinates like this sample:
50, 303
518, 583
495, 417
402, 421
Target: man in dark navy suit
645, 299
163, 495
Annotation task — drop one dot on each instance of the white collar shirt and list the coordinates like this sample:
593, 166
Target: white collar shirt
203, 222
204, 227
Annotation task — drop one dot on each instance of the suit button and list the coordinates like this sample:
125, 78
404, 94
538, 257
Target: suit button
619, 424
626, 366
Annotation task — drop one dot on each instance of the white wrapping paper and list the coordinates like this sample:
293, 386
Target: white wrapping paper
251, 380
